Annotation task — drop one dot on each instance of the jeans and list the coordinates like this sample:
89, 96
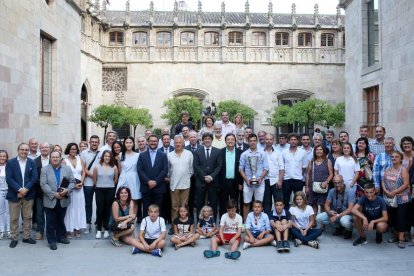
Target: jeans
104, 200
55, 225
40, 215
312, 235
345, 221
88, 192
271, 192
4, 212
289, 186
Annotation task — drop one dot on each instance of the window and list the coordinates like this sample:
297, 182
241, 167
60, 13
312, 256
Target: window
373, 40
164, 39
259, 39
327, 40
187, 39
139, 39
372, 94
116, 38
211, 39
305, 40
123, 131
235, 39
282, 39
46, 74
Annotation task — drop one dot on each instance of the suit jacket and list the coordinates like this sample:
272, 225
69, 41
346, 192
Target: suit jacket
237, 177
198, 146
38, 162
202, 167
170, 149
245, 146
14, 179
48, 185
148, 172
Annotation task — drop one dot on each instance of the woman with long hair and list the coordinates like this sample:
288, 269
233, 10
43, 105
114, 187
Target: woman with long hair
347, 165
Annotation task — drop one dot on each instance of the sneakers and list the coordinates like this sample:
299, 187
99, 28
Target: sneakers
87, 229
274, 243
286, 246
392, 240
135, 250
116, 243
378, 238
298, 242
401, 244
279, 246
314, 244
246, 245
1, 235
360, 241
106, 234
156, 252
98, 234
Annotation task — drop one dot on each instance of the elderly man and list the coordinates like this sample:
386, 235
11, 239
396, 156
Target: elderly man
240, 144
111, 137
57, 182
382, 162
338, 208
21, 178
33, 148
142, 144
218, 140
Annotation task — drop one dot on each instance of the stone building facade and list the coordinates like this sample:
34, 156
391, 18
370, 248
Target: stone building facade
379, 65
40, 78
141, 58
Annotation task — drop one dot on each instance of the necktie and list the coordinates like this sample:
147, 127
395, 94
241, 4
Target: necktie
207, 153
166, 150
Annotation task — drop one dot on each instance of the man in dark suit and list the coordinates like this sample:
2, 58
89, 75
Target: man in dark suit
166, 144
21, 177
240, 144
56, 198
152, 169
207, 166
231, 181
40, 161
193, 146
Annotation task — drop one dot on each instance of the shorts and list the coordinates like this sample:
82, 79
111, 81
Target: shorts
250, 190
227, 238
256, 234
149, 241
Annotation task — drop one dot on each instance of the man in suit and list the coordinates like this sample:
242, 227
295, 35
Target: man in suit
21, 177
166, 146
207, 166
40, 161
230, 180
56, 198
240, 144
152, 170
193, 146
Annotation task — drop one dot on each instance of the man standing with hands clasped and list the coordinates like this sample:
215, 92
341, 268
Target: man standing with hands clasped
253, 168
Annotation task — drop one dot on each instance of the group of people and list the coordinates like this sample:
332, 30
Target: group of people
223, 171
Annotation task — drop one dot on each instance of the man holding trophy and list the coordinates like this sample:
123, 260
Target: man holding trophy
253, 168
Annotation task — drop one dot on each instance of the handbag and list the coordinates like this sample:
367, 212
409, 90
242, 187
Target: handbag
391, 201
115, 225
317, 186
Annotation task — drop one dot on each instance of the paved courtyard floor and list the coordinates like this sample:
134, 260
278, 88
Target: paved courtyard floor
88, 256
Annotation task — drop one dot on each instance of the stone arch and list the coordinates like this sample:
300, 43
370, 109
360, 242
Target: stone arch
85, 109
292, 93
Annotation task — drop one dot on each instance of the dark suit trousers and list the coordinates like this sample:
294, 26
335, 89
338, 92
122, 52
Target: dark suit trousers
202, 190
289, 186
191, 198
228, 189
55, 224
149, 198
271, 192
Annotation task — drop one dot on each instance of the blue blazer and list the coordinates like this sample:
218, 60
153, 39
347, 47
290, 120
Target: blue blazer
147, 172
170, 149
14, 179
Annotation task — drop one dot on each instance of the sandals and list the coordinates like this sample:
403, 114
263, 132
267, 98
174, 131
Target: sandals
116, 243
401, 244
210, 253
232, 255
77, 234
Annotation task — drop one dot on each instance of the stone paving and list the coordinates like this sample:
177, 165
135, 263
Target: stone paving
88, 256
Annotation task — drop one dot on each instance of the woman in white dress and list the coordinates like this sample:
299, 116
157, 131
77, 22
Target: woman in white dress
129, 174
75, 218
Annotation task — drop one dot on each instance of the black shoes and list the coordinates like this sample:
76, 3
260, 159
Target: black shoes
64, 241
53, 246
13, 243
29, 241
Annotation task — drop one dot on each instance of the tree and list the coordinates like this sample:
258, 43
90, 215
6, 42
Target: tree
282, 115
104, 115
233, 107
334, 116
137, 116
309, 111
178, 104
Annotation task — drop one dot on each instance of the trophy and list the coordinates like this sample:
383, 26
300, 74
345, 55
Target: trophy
253, 166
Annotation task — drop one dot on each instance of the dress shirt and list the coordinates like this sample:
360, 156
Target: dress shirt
230, 163
294, 163
276, 164
262, 163
22, 164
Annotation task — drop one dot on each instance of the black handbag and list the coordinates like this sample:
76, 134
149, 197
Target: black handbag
114, 226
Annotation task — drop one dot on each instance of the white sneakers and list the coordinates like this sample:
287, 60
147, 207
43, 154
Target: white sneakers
88, 229
106, 234
98, 235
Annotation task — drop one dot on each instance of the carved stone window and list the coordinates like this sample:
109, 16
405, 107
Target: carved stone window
116, 38
114, 79
282, 39
327, 40
139, 39
259, 39
163, 39
211, 39
187, 39
305, 40
46, 74
235, 39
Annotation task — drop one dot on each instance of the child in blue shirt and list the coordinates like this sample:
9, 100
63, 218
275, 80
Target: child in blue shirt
258, 230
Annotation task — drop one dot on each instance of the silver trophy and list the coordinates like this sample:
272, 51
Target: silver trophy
253, 166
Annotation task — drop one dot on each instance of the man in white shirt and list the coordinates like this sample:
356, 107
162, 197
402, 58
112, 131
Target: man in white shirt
226, 125
283, 144
261, 144
296, 162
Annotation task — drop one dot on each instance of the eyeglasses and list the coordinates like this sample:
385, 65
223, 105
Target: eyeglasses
337, 182
24, 149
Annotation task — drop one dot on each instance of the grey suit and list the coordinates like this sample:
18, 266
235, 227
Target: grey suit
49, 187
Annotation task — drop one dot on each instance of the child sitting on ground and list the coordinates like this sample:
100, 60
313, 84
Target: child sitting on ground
258, 230
281, 221
230, 232
183, 229
152, 233
206, 226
